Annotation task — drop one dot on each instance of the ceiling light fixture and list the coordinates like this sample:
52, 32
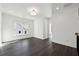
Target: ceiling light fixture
33, 11
57, 8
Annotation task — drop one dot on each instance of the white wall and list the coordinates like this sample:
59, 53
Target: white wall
46, 29
41, 28
0, 29
78, 25
38, 28
64, 27
9, 31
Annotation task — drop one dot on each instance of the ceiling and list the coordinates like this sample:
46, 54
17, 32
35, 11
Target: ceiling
21, 9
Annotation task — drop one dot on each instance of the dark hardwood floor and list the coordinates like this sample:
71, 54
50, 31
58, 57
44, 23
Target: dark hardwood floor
36, 47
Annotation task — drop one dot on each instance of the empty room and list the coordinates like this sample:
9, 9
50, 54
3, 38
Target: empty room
39, 29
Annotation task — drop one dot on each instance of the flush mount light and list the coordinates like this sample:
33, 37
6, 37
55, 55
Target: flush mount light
57, 8
33, 11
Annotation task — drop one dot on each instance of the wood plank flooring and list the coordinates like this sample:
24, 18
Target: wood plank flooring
36, 47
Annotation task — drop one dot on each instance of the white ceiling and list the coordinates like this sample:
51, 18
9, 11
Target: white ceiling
21, 9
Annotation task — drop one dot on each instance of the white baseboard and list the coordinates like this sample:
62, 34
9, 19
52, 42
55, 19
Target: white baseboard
41, 38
